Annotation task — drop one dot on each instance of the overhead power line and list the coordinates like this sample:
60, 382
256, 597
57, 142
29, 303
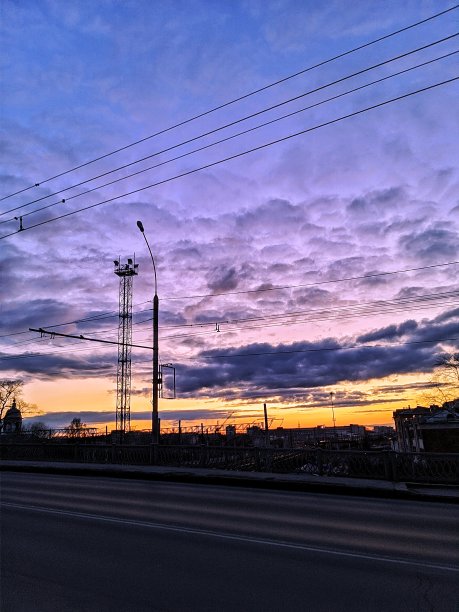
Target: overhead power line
248, 291
300, 321
232, 123
335, 313
325, 349
331, 312
254, 354
238, 99
362, 309
313, 318
81, 337
314, 284
237, 155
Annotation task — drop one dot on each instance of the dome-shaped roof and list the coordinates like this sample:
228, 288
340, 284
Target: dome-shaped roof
13, 412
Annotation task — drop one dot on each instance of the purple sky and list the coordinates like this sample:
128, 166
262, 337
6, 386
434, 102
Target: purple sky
372, 193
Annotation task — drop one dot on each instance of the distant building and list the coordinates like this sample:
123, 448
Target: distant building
383, 430
257, 435
343, 436
12, 421
434, 429
230, 432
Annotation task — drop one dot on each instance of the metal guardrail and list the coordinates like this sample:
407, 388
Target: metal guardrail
381, 465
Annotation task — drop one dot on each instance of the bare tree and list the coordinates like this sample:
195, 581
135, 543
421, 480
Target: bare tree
445, 382
9, 389
449, 364
76, 429
12, 389
40, 430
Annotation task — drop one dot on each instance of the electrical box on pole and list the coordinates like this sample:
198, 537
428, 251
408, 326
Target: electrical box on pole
167, 391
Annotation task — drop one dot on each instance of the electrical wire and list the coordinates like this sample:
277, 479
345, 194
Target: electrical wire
315, 284
340, 317
326, 349
237, 155
278, 352
309, 311
238, 134
365, 309
249, 291
106, 315
330, 313
238, 99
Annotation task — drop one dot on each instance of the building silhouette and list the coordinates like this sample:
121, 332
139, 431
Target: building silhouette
12, 421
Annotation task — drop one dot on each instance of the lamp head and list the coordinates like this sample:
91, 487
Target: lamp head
117, 263
140, 226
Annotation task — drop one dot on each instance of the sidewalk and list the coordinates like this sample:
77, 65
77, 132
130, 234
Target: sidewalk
263, 480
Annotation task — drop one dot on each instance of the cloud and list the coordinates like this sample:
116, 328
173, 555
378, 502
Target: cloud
21, 315
390, 332
446, 316
281, 371
376, 203
411, 386
48, 366
431, 245
267, 368
223, 280
61, 419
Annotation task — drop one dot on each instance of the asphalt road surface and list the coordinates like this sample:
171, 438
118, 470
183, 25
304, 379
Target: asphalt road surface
87, 543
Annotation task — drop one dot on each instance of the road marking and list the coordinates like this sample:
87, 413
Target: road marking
229, 536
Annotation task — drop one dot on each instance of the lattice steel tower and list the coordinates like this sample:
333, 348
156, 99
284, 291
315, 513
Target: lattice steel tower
126, 273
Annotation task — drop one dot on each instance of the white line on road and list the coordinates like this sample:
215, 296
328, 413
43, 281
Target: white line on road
228, 536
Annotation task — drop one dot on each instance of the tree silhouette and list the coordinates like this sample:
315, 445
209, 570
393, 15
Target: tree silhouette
76, 429
8, 390
445, 382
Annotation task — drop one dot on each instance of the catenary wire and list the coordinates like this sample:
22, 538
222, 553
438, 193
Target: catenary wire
238, 99
314, 284
235, 122
277, 352
433, 300
237, 155
249, 291
208, 146
323, 349
340, 317
437, 298
360, 305
336, 317
366, 309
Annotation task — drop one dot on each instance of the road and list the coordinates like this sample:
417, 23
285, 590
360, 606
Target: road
71, 543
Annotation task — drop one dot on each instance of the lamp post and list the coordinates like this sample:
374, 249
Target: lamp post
154, 414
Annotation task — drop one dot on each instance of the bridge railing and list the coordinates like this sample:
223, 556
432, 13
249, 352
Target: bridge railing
382, 465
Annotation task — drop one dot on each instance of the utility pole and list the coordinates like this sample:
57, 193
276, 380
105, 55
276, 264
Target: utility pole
265, 410
155, 417
333, 410
155, 400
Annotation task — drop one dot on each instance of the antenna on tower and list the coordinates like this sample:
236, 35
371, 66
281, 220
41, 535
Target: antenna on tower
126, 273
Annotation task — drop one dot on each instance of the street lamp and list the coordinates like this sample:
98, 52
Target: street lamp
154, 414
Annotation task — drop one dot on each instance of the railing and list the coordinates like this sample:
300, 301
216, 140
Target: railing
385, 465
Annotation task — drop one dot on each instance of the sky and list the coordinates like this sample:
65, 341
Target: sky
324, 263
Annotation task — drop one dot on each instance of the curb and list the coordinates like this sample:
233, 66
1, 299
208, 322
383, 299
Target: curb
291, 482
